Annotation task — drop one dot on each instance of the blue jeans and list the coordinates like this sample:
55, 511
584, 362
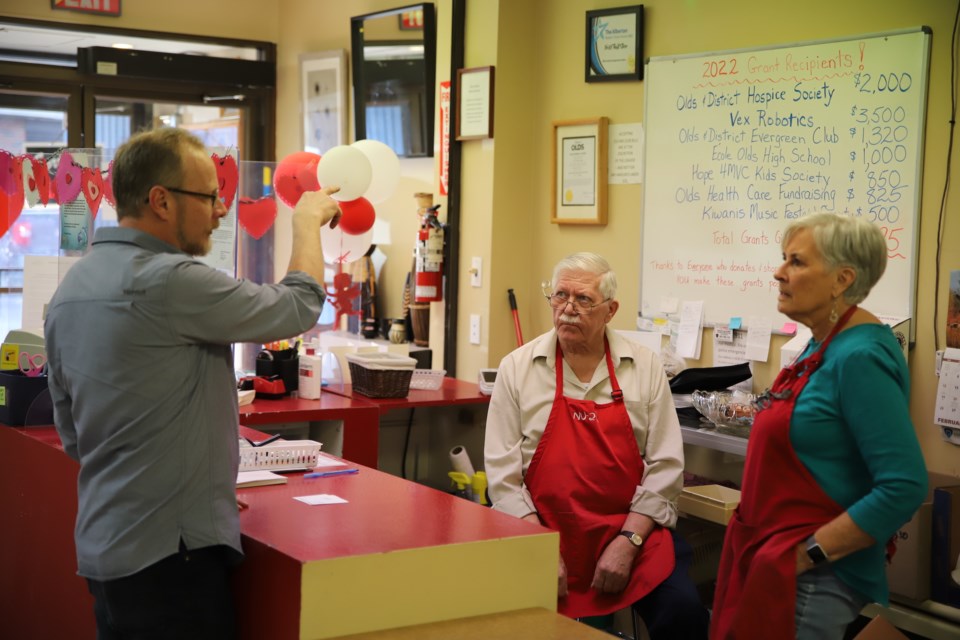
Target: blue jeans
825, 605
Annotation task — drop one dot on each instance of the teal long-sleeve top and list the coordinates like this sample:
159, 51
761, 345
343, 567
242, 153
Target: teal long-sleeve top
851, 428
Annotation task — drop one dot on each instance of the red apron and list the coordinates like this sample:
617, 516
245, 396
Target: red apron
582, 479
780, 506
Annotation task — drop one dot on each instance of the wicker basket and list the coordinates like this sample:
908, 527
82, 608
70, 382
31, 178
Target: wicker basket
380, 383
381, 375
283, 455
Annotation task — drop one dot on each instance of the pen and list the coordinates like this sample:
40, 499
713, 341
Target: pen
325, 474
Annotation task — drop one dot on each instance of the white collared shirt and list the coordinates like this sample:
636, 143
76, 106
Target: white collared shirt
523, 398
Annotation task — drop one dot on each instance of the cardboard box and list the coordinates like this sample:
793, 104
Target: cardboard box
711, 502
908, 574
945, 567
880, 629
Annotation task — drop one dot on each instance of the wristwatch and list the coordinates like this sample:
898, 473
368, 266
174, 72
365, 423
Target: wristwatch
816, 553
634, 538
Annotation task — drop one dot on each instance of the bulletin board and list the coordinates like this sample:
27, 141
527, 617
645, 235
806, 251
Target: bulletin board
739, 144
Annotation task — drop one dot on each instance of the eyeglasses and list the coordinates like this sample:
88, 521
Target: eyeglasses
560, 299
212, 197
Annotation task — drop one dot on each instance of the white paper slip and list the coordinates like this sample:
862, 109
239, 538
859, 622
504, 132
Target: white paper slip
326, 461
321, 498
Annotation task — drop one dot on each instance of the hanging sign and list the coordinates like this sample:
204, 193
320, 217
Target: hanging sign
100, 7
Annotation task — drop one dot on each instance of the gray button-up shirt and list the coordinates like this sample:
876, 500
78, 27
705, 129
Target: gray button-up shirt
138, 337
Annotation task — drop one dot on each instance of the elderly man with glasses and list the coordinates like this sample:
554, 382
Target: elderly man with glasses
582, 437
141, 374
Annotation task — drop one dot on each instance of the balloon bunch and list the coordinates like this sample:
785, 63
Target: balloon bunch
367, 172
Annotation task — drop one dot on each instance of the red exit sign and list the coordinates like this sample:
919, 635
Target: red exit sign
101, 7
411, 20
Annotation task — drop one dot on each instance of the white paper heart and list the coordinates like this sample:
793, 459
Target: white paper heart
30, 189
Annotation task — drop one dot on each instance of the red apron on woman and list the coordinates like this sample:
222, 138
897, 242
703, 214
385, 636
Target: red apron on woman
781, 505
582, 479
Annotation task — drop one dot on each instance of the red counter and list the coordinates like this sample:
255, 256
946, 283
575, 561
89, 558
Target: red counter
396, 554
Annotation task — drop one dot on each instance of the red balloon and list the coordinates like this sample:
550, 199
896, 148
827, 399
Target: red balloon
358, 216
295, 174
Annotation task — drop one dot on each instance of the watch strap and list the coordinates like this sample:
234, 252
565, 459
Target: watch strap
634, 538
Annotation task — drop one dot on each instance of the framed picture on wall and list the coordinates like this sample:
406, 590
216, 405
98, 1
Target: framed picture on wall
323, 95
474, 117
614, 44
580, 172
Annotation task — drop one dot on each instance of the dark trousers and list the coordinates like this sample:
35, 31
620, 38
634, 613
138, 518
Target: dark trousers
673, 610
185, 596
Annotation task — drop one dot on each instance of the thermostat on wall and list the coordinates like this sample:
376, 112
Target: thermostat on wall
487, 378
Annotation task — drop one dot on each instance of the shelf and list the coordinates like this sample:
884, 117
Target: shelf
713, 440
908, 618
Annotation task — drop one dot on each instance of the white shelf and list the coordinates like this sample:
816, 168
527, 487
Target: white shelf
713, 440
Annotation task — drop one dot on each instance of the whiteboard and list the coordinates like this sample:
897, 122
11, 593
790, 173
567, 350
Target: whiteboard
739, 144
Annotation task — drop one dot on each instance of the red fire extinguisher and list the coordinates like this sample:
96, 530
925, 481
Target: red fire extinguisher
428, 283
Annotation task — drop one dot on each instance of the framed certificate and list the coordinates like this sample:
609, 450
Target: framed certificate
580, 172
474, 117
614, 44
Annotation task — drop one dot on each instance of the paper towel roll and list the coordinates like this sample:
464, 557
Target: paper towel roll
460, 461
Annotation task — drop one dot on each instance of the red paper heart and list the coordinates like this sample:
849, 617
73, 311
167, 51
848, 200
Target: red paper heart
108, 186
92, 184
7, 173
15, 205
5, 220
257, 216
227, 177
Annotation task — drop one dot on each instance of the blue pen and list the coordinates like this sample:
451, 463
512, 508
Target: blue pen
325, 474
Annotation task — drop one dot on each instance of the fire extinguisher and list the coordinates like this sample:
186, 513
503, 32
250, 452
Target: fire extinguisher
428, 283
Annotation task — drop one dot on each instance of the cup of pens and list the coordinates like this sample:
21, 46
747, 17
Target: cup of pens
280, 359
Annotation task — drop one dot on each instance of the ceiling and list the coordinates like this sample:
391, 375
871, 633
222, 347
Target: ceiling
60, 42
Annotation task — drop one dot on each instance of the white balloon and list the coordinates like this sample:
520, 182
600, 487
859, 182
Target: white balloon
386, 169
347, 168
339, 246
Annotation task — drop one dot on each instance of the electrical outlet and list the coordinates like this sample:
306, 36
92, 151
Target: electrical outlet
476, 271
474, 328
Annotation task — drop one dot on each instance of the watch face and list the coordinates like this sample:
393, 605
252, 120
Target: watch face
816, 554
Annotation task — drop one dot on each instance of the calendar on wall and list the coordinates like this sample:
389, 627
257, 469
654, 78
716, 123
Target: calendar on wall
947, 413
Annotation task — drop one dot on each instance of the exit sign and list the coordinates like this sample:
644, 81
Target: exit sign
100, 7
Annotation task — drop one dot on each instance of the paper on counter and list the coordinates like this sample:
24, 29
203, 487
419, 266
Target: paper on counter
321, 498
326, 461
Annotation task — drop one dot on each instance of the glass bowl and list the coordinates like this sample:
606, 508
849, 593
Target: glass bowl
731, 412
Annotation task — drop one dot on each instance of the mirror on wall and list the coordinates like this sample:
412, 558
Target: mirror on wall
394, 64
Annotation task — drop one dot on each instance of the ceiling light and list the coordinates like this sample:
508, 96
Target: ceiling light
121, 45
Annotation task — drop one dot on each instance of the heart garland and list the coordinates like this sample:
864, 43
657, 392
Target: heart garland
68, 179
108, 186
257, 216
228, 176
92, 185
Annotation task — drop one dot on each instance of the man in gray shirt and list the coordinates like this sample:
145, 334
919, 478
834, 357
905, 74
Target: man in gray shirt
141, 374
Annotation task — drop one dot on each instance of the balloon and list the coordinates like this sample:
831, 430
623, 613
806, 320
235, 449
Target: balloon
386, 169
347, 168
358, 216
296, 174
343, 247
